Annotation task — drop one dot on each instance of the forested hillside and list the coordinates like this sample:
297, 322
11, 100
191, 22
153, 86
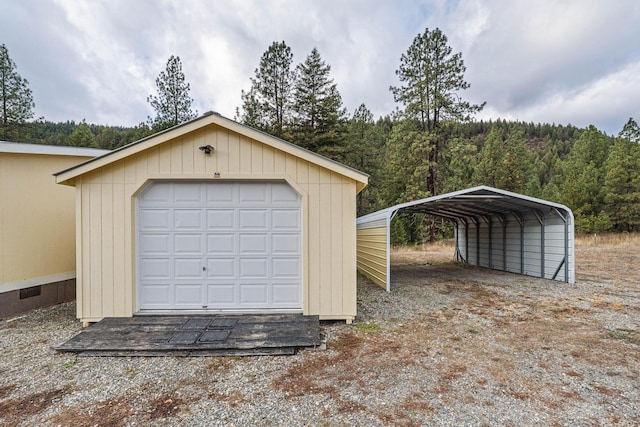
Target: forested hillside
432, 144
596, 175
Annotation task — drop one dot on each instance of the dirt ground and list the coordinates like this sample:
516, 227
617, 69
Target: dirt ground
450, 345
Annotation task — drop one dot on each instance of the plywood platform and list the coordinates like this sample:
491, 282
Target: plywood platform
206, 335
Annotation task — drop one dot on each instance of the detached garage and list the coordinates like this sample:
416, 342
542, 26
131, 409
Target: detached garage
215, 216
494, 229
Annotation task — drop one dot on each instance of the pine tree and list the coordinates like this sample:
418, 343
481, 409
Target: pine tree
364, 150
505, 161
631, 131
317, 108
431, 78
622, 185
82, 136
173, 103
267, 105
582, 179
16, 100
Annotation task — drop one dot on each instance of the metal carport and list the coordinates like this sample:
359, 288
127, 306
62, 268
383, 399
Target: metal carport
494, 228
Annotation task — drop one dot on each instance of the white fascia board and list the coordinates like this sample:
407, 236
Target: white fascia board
54, 150
36, 281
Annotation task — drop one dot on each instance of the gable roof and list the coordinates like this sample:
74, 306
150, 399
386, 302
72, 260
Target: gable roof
55, 150
67, 176
473, 202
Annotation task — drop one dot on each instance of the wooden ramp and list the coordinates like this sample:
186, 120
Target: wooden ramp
205, 335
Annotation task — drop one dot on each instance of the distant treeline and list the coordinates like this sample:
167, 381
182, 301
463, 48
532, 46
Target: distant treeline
596, 175
75, 134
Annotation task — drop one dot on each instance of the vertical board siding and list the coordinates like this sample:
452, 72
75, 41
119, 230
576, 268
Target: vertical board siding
349, 293
107, 212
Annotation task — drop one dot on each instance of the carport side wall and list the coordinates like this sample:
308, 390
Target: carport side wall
372, 250
482, 247
105, 204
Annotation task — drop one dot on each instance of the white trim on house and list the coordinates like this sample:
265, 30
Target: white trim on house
55, 150
67, 176
36, 281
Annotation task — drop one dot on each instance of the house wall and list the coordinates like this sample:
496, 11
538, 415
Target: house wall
37, 231
105, 204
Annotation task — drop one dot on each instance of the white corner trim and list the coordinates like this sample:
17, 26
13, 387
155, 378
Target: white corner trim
36, 281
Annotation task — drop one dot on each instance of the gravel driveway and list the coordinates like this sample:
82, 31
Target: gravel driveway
451, 345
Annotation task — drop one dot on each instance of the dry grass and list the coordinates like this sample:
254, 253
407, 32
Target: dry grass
120, 410
15, 410
477, 341
431, 253
615, 239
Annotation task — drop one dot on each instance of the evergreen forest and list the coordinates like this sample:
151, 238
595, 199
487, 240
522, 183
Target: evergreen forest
431, 144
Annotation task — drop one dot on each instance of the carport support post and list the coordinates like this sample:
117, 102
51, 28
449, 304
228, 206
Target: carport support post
466, 239
490, 225
504, 245
566, 248
477, 222
521, 222
540, 216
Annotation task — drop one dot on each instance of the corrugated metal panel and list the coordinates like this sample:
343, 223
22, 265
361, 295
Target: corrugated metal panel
372, 254
500, 230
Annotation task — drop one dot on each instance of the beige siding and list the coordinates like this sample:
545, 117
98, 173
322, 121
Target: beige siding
372, 254
37, 221
107, 211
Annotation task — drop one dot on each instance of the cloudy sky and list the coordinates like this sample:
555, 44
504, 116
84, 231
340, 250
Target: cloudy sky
563, 61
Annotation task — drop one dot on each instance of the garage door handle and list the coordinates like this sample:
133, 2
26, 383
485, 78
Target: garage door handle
204, 268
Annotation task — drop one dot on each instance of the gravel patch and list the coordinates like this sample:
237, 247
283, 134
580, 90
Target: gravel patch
450, 345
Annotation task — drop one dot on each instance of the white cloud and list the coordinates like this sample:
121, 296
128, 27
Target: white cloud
559, 61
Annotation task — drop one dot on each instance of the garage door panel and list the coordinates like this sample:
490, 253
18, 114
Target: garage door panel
285, 219
187, 268
284, 195
254, 243
285, 267
188, 219
221, 294
285, 243
155, 268
254, 294
155, 220
188, 295
157, 194
188, 244
253, 219
156, 295
221, 268
252, 194
286, 294
253, 268
155, 244
221, 219
187, 193
222, 193
219, 245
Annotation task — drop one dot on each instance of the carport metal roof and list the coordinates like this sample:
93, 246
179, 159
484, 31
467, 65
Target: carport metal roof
473, 204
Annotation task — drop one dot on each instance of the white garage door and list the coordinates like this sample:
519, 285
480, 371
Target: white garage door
219, 246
